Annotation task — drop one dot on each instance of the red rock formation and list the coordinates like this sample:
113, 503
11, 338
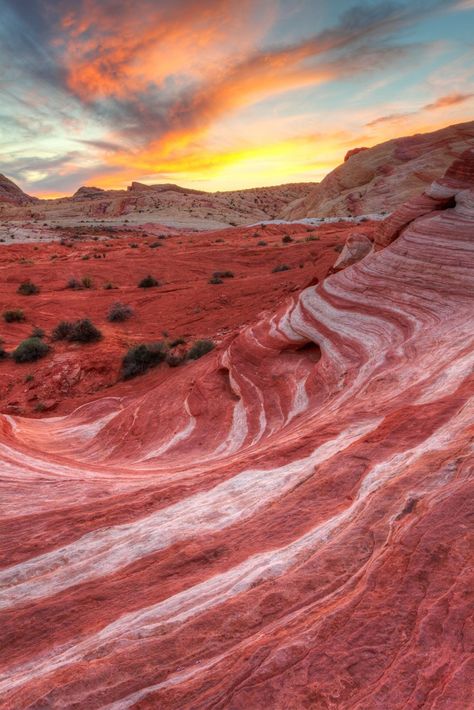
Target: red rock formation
442, 194
352, 152
283, 524
383, 177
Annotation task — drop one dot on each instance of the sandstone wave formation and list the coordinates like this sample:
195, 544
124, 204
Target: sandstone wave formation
284, 524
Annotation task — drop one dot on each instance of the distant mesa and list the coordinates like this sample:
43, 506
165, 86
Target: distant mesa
164, 187
9, 192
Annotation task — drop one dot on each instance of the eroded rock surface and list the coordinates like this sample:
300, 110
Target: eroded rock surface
286, 523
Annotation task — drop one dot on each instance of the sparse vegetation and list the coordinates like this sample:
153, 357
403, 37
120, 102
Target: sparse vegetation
28, 288
15, 315
119, 312
280, 267
215, 280
176, 342
261, 243
80, 331
200, 348
287, 239
148, 282
74, 284
86, 282
30, 350
223, 274
37, 333
141, 358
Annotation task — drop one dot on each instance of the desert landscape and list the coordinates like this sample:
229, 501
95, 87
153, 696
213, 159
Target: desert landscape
236, 424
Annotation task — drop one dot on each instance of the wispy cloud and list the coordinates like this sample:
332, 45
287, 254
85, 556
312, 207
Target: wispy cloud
109, 88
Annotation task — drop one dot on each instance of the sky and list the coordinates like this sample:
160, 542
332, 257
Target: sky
221, 94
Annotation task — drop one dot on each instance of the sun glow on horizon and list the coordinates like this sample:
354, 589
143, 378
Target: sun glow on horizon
237, 96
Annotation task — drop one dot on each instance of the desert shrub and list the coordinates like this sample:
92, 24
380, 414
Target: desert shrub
215, 280
62, 331
40, 407
174, 360
80, 331
280, 267
287, 239
200, 348
74, 284
261, 243
223, 274
86, 257
154, 245
177, 341
133, 246
338, 248
109, 286
29, 378
16, 315
311, 238
119, 312
28, 288
141, 358
148, 282
30, 350
3, 353
37, 333
87, 282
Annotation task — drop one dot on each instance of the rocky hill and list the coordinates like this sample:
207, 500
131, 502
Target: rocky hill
12, 194
372, 180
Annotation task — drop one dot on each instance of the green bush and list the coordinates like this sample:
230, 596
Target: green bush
119, 312
223, 274
14, 316
27, 288
37, 333
141, 358
30, 350
87, 282
74, 284
177, 341
148, 282
200, 348
80, 331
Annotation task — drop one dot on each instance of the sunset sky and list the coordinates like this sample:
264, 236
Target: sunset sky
220, 94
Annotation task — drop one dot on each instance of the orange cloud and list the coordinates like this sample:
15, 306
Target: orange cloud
449, 100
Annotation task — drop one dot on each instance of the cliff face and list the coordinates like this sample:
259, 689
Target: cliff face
383, 177
284, 523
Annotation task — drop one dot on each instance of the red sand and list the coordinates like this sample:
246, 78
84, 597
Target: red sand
185, 305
